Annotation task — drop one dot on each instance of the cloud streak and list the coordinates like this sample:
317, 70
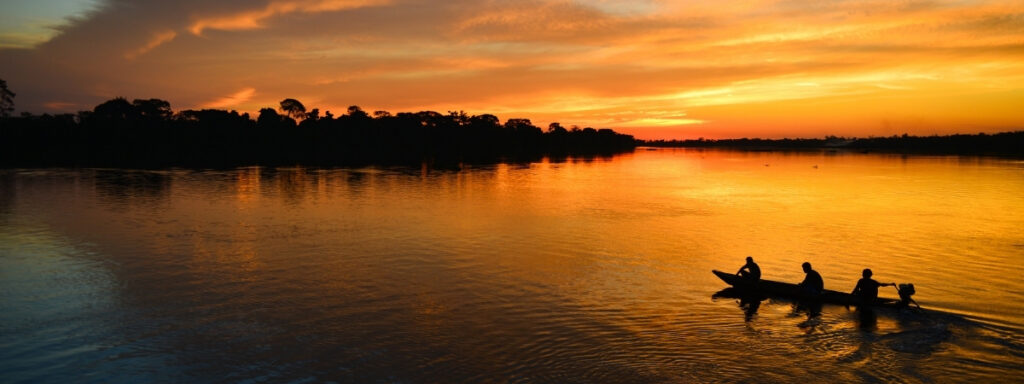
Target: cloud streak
231, 101
156, 41
252, 19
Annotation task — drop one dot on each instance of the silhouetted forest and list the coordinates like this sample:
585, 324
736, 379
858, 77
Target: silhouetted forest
148, 133
999, 144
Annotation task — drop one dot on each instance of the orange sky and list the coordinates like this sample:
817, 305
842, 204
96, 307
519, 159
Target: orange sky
655, 69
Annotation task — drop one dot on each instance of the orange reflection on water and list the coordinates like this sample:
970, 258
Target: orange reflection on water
600, 260
247, 187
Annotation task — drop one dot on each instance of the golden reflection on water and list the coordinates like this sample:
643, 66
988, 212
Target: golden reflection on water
604, 260
248, 186
648, 225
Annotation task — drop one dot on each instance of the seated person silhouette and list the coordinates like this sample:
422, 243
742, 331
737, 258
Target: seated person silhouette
812, 284
867, 288
750, 270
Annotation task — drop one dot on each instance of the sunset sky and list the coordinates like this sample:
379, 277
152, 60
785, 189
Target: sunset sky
654, 69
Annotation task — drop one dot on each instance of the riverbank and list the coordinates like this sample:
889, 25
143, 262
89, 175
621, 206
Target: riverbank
1007, 144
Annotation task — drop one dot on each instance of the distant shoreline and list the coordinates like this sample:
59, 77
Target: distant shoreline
147, 133
1005, 144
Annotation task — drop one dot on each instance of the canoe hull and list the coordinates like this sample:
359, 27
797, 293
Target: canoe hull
793, 291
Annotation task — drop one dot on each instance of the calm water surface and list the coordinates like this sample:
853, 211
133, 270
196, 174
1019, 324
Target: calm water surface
578, 271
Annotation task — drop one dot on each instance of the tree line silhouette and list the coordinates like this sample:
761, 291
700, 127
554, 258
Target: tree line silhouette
148, 133
998, 144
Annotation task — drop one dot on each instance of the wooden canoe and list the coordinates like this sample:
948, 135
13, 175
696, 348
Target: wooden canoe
771, 288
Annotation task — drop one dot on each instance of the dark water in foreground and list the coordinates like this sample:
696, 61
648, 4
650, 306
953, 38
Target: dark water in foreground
586, 271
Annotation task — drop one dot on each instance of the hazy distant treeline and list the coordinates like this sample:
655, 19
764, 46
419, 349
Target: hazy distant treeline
147, 133
1004, 144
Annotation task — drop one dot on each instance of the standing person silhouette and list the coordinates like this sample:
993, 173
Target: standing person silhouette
867, 288
750, 270
812, 284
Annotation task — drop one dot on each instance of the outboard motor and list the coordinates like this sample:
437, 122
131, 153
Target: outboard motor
906, 291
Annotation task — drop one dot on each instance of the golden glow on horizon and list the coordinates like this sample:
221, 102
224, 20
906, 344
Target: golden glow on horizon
653, 69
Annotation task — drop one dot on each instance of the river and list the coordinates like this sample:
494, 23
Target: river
594, 270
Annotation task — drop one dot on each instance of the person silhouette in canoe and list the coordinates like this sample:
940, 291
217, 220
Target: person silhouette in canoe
750, 270
867, 288
812, 284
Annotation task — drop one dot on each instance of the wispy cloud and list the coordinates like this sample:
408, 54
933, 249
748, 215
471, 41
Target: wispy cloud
157, 40
60, 105
22, 39
233, 100
254, 18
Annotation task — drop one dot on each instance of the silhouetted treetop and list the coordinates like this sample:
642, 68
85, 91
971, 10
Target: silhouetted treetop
6, 99
556, 128
153, 109
293, 108
115, 109
356, 112
484, 120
